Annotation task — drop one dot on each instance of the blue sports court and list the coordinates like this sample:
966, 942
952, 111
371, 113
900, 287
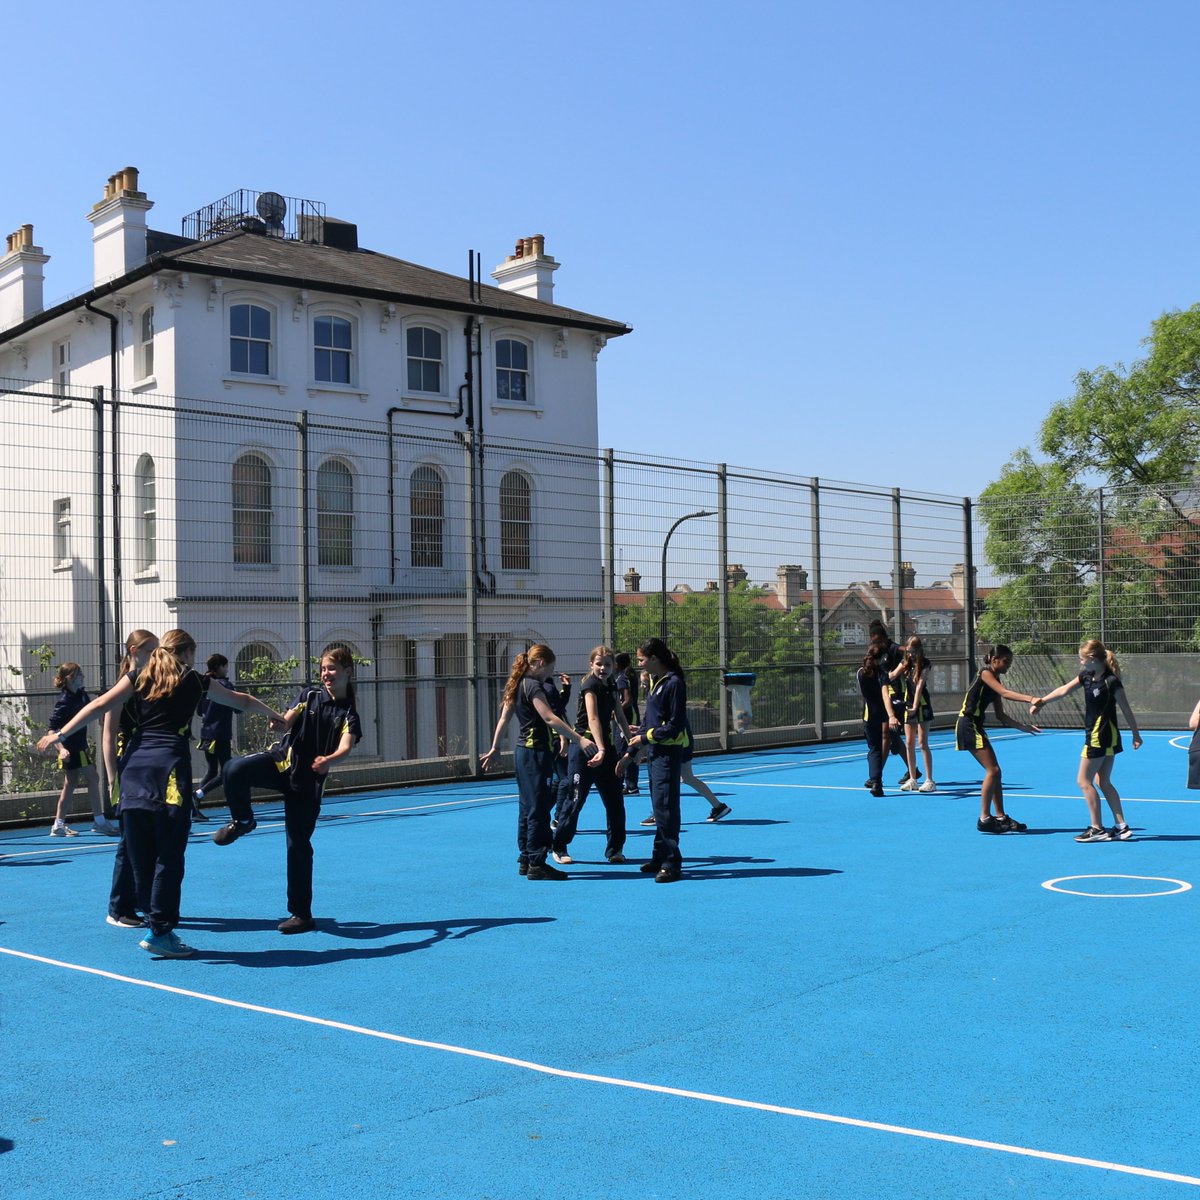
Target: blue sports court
845, 997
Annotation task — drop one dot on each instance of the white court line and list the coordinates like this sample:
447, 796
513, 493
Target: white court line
611, 1081
821, 787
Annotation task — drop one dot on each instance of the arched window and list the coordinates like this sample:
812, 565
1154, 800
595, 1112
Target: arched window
427, 506
516, 523
257, 670
252, 513
254, 665
147, 511
250, 339
335, 515
425, 359
145, 348
333, 350
512, 370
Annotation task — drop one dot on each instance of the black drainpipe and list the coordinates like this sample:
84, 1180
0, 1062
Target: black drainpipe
114, 326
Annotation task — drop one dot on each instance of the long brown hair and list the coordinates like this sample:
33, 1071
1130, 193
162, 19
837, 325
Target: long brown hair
1094, 648
66, 672
166, 666
133, 643
521, 666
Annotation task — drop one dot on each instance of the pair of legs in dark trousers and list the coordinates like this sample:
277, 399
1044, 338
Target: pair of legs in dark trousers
154, 840
216, 754
582, 779
662, 770
873, 732
535, 788
301, 807
124, 900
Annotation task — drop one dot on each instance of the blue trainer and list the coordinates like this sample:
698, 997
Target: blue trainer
166, 945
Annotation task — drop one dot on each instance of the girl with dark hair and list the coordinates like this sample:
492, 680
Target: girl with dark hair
533, 759
216, 734
878, 712
626, 684
75, 756
1103, 693
918, 712
321, 728
156, 776
987, 690
664, 733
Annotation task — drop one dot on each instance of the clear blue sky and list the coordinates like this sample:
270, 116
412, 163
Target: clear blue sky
870, 242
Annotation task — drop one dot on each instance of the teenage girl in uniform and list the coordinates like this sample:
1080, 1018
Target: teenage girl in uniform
533, 759
156, 776
216, 734
918, 712
627, 692
985, 690
878, 712
322, 727
664, 733
1103, 694
118, 729
598, 708
74, 754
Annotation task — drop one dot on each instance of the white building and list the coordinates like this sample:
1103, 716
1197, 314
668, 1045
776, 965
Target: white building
287, 454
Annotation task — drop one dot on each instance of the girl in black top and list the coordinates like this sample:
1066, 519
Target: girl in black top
156, 775
598, 709
878, 713
986, 691
322, 727
216, 734
625, 681
75, 757
1103, 693
534, 757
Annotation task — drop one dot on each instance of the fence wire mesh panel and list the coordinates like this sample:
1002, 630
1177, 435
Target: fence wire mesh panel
435, 555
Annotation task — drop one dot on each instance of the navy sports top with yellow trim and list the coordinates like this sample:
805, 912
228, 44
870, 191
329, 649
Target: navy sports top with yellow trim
606, 707
65, 707
532, 732
216, 720
666, 712
1100, 691
172, 714
315, 733
979, 698
871, 685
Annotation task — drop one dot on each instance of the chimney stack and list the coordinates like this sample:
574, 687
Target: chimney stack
908, 576
119, 226
528, 270
735, 574
633, 581
791, 582
21, 278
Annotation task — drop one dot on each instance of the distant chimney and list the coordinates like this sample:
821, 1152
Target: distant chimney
958, 581
633, 581
735, 574
21, 278
119, 226
908, 576
528, 270
711, 586
790, 584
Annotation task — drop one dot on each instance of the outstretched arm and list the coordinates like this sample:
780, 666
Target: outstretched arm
113, 698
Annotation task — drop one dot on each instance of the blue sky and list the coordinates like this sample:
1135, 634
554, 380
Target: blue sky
869, 242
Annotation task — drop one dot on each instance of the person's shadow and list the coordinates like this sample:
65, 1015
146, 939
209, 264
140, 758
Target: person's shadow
357, 931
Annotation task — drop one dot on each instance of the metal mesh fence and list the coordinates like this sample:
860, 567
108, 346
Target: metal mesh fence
435, 556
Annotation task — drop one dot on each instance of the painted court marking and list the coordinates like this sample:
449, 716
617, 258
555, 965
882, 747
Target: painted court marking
610, 1081
1051, 885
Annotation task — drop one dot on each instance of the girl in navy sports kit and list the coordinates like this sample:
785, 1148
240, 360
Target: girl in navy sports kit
1103, 694
664, 731
534, 757
322, 728
216, 734
878, 712
156, 776
75, 757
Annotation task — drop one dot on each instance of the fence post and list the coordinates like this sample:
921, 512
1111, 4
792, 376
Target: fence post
818, 617
606, 458
968, 586
723, 601
898, 630
1100, 579
303, 607
98, 551
470, 584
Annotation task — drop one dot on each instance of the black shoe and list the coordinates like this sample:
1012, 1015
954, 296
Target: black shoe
904, 779
297, 925
990, 824
198, 814
667, 875
868, 784
233, 831
1011, 826
545, 871
650, 868
617, 859
522, 868
877, 789
126, 921
722, 810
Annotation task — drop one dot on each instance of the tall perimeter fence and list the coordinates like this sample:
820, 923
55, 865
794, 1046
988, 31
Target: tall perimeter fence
435, 556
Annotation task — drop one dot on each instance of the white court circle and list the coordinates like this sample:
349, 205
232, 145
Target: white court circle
1051, 885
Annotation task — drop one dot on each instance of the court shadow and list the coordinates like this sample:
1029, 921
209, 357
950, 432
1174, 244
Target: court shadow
707, 868
739, 821
298, 956
34, 862
6, 1144
1165, 837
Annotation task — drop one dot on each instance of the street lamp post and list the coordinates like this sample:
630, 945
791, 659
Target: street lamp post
666, 542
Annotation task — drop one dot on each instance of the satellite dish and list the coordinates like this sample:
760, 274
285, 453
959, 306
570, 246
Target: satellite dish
272, 207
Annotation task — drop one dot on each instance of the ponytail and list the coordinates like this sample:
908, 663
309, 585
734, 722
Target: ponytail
1094, 648
521, 666
166, 666
66, 672
657, 648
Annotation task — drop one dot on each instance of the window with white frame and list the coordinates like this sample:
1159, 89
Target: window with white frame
147, 509
250, 340
335, 514
333, 350
145, 346
426, 360
512, 371
939, 623
852, 633
252, 513
61, 366
427, 517
516, 523
62, 532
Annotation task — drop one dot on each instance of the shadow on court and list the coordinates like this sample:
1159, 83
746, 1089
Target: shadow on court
6, 1144
361, 931
711, 868
34, 862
